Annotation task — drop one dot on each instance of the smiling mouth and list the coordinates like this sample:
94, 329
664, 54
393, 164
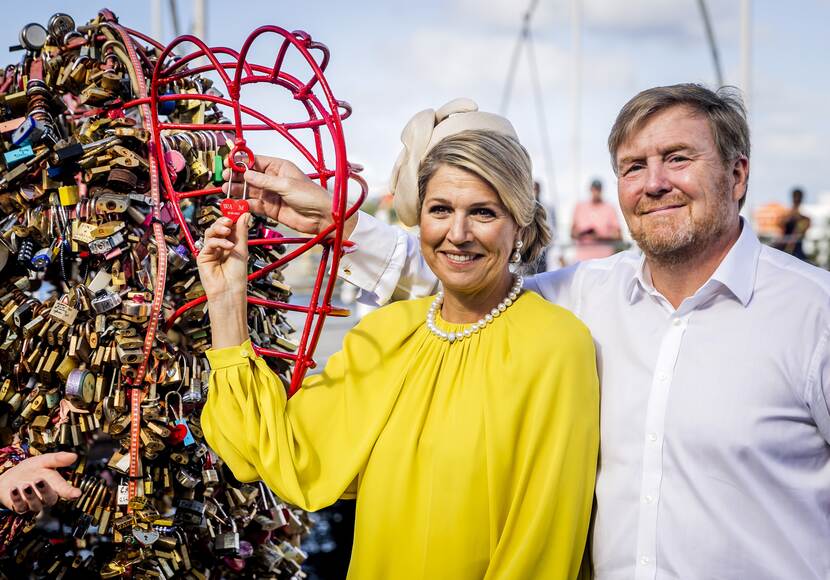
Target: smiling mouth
661, 209
460, 258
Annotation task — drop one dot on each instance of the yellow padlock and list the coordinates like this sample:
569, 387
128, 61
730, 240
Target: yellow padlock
68, 194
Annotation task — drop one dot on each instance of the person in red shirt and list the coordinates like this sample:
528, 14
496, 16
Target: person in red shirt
595, 228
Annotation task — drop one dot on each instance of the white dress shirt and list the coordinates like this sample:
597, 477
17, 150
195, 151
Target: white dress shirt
714, 460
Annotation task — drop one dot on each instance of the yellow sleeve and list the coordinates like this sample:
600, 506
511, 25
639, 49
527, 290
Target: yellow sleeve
310, 449
547, 528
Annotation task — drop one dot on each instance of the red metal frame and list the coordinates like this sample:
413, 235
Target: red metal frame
323, 113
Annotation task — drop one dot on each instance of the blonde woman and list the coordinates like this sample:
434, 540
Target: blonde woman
466, 423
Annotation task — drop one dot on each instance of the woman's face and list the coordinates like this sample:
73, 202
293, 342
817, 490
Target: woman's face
467, 235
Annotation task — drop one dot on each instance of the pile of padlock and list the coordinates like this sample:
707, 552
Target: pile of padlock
79, 274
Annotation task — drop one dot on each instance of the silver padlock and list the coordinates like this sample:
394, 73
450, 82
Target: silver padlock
210, 477
106, 245
105, 301
187, 479
227, 543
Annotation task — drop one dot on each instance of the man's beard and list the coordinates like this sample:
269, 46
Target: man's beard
672, 246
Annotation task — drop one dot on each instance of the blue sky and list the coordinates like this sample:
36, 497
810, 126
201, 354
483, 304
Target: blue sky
392, 58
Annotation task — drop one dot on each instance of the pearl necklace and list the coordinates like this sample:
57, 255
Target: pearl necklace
476, 326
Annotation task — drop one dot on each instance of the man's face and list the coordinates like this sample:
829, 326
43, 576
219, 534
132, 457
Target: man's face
676, 195
596, 194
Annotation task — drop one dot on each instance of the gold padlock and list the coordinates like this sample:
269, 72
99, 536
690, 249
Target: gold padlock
69, 195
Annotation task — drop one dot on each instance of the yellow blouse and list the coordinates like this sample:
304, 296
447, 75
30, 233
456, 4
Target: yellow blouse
470, 460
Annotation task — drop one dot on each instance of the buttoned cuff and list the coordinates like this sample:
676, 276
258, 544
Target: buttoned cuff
231, 356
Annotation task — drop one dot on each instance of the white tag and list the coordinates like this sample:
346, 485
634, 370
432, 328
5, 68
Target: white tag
63, 313
102, 280
123, 494
83, 232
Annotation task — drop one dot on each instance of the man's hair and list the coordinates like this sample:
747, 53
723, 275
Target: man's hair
502, 163
724, 109
797, 192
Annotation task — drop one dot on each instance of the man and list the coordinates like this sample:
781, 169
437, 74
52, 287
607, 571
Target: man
794, 226
595, 228
715, 460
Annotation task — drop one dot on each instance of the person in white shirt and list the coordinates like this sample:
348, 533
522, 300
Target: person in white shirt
712, 349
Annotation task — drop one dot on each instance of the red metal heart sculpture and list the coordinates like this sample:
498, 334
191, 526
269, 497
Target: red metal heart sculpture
324, 116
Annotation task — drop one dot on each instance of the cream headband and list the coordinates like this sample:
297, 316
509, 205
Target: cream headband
425, 130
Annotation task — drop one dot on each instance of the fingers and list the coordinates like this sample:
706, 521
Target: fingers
258, 207
59, 486
215, 246
220, 229
217, 241
269, 180
241, 227
48, 496
18, 503
32, 498
278, 185
53, 460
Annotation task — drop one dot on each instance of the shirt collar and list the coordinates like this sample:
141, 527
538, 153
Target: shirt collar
736, 272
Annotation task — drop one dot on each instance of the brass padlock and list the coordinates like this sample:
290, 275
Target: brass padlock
69, 195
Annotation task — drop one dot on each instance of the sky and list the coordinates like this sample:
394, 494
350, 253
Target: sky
392, 58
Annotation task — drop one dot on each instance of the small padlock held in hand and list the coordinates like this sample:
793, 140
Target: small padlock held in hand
234, 208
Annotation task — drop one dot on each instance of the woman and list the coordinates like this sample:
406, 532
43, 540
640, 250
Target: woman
470, 444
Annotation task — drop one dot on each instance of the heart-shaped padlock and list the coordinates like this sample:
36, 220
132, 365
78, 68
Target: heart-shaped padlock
177, 434
146, 537
234, 208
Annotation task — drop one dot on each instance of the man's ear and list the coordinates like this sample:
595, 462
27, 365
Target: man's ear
740, 172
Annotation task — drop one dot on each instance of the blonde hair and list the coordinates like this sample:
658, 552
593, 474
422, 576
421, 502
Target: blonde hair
504, 165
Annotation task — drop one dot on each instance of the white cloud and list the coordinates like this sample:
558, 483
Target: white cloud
793, 144
449, 59
508, 13
657, 17
680, 20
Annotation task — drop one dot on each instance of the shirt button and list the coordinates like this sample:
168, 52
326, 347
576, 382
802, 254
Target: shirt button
244, 352
649, 499
644, 560
677, 322
652, 437
662, 376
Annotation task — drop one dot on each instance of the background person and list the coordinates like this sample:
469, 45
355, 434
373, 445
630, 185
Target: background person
794, 226
595, 228
470, 444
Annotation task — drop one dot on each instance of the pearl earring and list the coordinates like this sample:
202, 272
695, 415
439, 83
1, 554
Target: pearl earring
517, 255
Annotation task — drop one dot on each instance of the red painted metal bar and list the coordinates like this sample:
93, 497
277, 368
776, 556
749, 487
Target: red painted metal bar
325, 114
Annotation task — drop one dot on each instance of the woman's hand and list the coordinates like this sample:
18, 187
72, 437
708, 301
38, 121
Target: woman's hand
223, 260
223, 269
34, 483
279, 190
